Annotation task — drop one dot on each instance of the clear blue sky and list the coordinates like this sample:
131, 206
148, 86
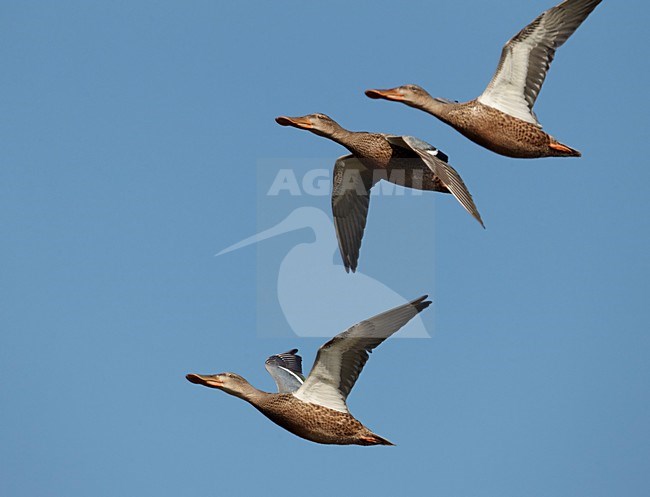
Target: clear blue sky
132, 134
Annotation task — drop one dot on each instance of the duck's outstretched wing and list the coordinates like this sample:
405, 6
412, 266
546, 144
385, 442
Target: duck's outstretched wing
340, 361
526, 58
436, 161
350, 201
286, 370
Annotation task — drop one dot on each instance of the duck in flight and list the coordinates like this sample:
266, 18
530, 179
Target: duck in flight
403, 160
315, 408
502, 118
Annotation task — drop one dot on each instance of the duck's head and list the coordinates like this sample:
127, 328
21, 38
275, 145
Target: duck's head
316, 123
412, 95
228, 382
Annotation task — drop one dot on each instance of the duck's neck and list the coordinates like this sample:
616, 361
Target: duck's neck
436, 107
341, 136
249, 393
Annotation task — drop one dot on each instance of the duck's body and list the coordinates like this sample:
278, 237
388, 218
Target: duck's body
316, 409
403, 160
500, 132
316, 423
501, 119
402, 166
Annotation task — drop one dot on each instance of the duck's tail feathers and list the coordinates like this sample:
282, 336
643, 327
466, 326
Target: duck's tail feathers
374, 439
564, 151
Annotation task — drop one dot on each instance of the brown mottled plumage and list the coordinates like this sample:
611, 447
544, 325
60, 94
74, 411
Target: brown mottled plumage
376, 153
501, 133
316, 423
403, 160
317, 410
501, 119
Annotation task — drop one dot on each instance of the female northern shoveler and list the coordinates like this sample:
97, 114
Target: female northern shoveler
316, 409
502, 118
403, 160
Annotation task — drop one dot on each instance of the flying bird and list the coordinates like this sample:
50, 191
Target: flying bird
316, 409
403, 160
501, 119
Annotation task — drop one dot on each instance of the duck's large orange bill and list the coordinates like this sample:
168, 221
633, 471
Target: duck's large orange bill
212, 381
391, 94
296, 122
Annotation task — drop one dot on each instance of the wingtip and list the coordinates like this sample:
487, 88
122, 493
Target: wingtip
478, 218
421, 303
